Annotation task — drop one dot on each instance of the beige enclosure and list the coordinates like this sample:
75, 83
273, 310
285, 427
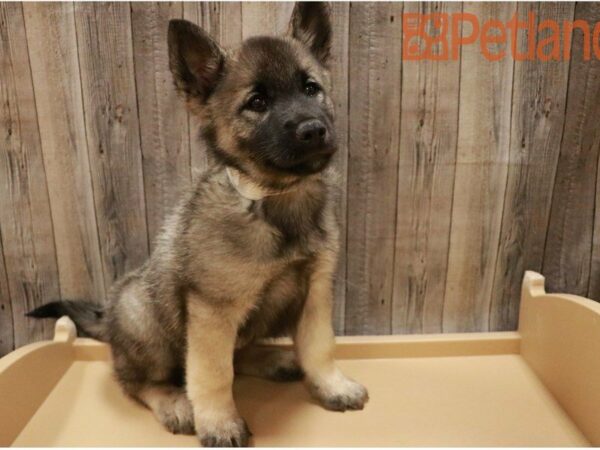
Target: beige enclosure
539, 386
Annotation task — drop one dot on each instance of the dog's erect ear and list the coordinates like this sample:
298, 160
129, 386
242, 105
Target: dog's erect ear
311, 25
195, 59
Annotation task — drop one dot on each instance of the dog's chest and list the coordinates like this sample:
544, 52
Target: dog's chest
251, 243
295, 232
293, 240
277, 308
277, 230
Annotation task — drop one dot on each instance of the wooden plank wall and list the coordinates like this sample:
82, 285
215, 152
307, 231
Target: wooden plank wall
456, 175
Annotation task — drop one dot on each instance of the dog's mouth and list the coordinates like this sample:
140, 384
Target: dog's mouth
305, 166
310, 164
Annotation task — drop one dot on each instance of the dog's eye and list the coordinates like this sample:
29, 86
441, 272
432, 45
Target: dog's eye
257, 103
311, 88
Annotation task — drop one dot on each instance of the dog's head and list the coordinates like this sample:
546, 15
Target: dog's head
265, 107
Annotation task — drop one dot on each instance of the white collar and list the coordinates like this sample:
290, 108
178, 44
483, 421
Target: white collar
246, 187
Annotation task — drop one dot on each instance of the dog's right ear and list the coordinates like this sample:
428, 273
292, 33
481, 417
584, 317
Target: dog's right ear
195, 59
311, 25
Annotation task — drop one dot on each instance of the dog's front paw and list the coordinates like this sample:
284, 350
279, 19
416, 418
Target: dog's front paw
339, 393
226, 433
176, 414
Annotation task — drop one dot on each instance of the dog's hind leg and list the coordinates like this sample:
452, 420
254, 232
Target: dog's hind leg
271, 362
169, 403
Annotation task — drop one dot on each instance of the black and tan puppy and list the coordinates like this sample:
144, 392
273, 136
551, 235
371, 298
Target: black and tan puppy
250, 252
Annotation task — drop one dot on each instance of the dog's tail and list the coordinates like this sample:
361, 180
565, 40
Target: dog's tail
89, 317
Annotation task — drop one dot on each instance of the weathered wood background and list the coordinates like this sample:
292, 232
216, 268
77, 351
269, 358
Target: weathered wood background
459, 175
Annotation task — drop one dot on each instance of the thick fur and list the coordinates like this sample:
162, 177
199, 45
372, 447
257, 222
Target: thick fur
227, 270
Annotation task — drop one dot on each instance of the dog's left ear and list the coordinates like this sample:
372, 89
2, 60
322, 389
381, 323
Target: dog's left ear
311, 25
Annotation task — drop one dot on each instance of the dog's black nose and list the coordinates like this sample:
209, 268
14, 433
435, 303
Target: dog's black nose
311, 132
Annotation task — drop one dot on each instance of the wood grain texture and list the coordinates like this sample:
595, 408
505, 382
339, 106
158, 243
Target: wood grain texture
165, 137
374, 123
594, 282
339, 76
113, 134
429, 115
538, 113
481, 168
55, 68
568, 251
223, 20
7, 331
25, 219
260, 18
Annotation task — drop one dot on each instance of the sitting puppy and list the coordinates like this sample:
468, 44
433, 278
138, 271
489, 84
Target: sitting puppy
251, 251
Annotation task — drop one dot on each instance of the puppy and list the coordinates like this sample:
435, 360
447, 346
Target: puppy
250, 252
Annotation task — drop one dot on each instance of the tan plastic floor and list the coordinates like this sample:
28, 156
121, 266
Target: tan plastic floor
493, 400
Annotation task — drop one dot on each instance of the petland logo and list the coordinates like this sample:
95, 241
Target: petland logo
440, 36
